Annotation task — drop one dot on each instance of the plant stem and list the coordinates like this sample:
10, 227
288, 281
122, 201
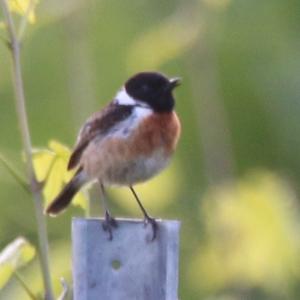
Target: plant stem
20, 179
25, 286
25, 134
65, 291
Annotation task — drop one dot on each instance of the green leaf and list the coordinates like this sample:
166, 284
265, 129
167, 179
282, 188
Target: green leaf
24, 8
15, 255
163, 42
51, 168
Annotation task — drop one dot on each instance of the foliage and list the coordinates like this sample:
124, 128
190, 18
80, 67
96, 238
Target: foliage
14, 256
24, 8
51, 169
252, 235
13, 41
240, 61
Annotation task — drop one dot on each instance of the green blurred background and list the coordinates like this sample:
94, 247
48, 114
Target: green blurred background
234, 181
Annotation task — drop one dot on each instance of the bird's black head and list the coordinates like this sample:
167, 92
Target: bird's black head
153, 88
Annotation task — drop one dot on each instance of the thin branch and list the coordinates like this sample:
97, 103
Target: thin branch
25, 134
24, 285
15, 174
65, 291
19, 91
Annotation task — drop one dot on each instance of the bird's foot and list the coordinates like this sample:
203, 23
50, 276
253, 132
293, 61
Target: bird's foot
154, 225
108, 224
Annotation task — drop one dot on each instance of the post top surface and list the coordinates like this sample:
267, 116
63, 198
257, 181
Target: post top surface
123, 220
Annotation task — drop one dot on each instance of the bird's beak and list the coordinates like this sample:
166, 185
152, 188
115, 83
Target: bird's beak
174, 82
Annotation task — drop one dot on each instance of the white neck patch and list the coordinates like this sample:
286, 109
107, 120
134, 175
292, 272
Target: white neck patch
122, 98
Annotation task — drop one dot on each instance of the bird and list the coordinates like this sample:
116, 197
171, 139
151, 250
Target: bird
129, 141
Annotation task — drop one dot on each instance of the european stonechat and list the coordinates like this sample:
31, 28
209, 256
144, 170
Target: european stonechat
129, 141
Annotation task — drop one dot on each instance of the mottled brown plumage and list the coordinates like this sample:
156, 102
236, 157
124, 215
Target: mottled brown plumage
97, 125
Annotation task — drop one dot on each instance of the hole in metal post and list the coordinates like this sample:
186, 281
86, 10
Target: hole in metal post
116, 264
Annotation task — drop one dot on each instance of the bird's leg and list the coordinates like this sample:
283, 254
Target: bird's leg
109, 222
147, 218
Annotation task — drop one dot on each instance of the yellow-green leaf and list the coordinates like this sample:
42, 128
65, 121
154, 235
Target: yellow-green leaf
51, 167
60, 149
43, 160
15, 255
80, 199
252, 234
24, 8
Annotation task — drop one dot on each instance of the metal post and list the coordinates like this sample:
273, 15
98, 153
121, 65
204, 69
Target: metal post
129, 267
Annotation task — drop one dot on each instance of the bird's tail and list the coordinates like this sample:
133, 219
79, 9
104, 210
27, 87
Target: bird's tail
65, 197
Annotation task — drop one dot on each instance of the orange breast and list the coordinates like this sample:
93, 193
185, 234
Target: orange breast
157, 131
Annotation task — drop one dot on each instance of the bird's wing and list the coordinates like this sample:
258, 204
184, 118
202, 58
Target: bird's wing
98, 125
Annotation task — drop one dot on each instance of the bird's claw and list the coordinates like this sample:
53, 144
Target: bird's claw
108, 224
154, 225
